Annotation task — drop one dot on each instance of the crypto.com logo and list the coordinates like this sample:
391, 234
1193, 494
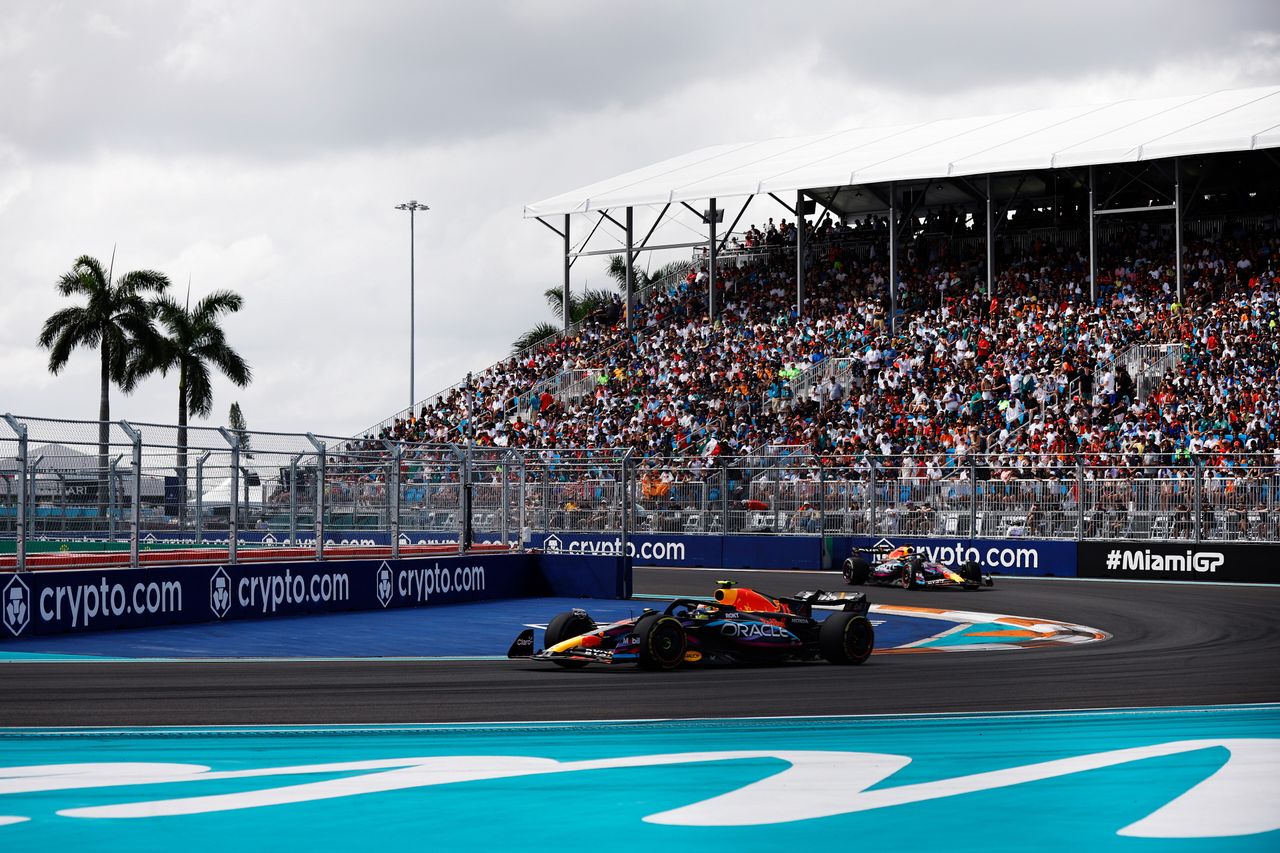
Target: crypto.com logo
1237, 799
220, 592
384, 584
552, 544
17, 605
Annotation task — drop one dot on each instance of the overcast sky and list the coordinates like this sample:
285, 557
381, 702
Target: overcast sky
261, 146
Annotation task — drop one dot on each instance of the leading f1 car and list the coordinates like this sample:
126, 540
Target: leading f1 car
906, 567
738, 626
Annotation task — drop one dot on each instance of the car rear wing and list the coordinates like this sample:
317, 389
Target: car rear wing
854, 602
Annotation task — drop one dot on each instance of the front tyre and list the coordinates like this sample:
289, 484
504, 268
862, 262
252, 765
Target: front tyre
566, 626
972, 574
846, 638
856, 571
663, 641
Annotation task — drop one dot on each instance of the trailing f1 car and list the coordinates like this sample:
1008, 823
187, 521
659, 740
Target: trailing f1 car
740, 626
907, 568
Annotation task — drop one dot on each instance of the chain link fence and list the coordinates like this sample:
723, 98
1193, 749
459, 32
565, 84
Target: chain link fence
119, 493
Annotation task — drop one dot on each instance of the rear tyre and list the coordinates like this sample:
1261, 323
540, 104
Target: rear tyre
846, 638
662, 641
856, 571
914, 567
566, 626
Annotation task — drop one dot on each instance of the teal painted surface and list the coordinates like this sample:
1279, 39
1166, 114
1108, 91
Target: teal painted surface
967, 635
597, 805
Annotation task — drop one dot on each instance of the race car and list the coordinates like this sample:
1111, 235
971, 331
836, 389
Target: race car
738, 626
906, 567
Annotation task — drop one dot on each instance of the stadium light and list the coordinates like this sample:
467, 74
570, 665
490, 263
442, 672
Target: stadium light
413, 207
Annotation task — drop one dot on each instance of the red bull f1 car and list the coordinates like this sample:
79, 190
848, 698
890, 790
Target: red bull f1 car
739, 626
906, 567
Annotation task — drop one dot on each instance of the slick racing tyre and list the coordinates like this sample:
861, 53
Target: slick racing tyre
662, 641
911, 574
972, 574
846, 638
566, 626
856, 571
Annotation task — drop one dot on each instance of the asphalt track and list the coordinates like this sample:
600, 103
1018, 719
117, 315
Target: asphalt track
1172, 644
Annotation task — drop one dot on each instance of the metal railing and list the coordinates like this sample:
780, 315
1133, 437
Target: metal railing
137, 487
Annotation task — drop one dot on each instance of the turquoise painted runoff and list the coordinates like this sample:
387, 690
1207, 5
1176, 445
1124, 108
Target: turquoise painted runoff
1144, 780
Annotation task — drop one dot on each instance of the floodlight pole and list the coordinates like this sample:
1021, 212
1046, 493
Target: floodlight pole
413, 207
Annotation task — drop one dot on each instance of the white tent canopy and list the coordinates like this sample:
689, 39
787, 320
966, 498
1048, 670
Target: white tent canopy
1122, 132
219, 494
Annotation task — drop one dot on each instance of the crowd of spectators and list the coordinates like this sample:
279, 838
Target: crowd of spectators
1027, 377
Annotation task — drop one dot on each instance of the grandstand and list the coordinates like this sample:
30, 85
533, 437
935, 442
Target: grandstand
974, 327
996, 293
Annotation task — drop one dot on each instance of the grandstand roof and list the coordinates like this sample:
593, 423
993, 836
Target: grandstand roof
1120, 132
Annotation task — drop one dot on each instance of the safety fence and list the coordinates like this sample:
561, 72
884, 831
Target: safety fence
89, 489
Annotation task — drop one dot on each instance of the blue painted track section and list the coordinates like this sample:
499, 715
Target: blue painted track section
482, 629
1142, 780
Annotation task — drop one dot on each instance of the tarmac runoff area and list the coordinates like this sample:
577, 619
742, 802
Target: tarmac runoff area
485, 630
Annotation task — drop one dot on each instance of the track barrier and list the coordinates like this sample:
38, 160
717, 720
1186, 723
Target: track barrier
55, 602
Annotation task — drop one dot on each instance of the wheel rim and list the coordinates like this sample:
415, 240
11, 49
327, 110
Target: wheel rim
857, 639
666, 642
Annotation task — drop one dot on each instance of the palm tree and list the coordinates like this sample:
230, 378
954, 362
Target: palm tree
116, 320
539, 333
591, 300
192, 342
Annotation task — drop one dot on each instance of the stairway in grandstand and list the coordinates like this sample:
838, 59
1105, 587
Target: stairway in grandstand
1147, 364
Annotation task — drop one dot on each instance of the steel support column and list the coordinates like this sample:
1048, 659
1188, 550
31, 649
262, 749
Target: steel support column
135, 505
568, 262
893, 258
624, 530
200, 496
233, 440
393, 493
800, 253
991, 248
293, 500
20, 531
973, 495
1093, 246
321, 452
711, 262
1177, 224
631, 271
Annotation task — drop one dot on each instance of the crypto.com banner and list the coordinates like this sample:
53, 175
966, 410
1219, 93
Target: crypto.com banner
1180, 561
34, 603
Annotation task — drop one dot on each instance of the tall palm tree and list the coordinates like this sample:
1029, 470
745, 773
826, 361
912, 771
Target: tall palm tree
192, 342
115, 320
592, 299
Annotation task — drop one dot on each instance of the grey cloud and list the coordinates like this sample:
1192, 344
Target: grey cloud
283, 79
